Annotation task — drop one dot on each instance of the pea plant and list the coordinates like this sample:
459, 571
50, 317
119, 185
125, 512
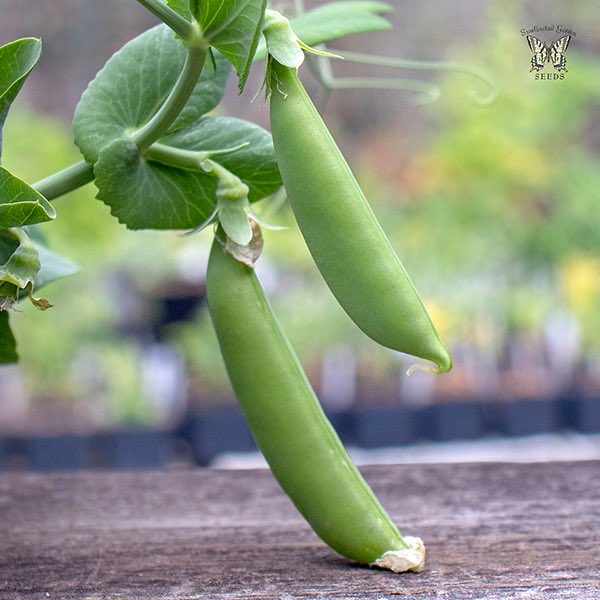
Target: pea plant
161, 160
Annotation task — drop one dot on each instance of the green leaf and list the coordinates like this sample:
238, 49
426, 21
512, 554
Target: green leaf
336, 20
26, 264
233, 216
22, 264
144, 194
339, 19
182, 7
134, 83
21, 271
17, 59
20, 204
53, 266
282, 42
234, 28
148, 195
8, 345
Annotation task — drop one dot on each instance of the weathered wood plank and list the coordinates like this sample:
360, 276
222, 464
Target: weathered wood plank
492, 531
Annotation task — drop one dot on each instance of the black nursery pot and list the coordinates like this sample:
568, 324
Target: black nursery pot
379, 427
135, 448
456, 421
3, 453
585, 414
531, 416
68, 452
216, 431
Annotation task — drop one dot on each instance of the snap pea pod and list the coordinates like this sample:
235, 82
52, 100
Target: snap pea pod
290, 428
341, 231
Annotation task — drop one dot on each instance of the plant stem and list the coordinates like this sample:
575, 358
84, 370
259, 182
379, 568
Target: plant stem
181, 26
181, 158
159, 124
65, 181
176, 157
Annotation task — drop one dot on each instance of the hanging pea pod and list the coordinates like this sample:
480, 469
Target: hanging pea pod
290, 428
341, 231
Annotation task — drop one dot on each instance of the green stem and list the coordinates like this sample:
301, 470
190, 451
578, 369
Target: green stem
181, 26
159, 124
65, 181
176, 157
190, 160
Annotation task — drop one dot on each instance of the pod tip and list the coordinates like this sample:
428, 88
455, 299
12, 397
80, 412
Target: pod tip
443, 365
399, 561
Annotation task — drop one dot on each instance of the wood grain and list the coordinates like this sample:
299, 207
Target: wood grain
492, 531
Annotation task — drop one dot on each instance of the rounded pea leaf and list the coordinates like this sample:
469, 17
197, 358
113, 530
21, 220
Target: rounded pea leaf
20, 204
144, 194
134, 83
17, 59
148, 195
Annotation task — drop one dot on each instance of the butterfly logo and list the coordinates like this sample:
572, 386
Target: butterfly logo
543, 54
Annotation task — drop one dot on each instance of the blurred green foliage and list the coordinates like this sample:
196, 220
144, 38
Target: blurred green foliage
57, 346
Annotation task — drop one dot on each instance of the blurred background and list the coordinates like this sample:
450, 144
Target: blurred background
493, 209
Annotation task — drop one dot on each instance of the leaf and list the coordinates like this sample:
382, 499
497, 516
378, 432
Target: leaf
144, 194
339, 19
21, 268
26, 264
181, 7
134, 83
8, 345
336, 20
148, 195
234, 28
22, 264
53, 266
282, 42
20, 204
233, 217
17, 59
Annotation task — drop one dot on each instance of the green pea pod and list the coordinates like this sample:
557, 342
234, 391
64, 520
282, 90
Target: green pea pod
290, 428
343, 235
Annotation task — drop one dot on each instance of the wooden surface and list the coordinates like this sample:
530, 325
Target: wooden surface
492, 531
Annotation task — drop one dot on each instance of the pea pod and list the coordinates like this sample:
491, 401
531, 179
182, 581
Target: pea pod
290, 428
343, 235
